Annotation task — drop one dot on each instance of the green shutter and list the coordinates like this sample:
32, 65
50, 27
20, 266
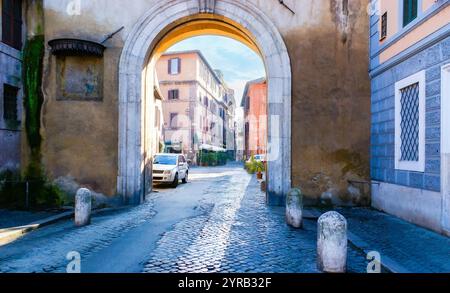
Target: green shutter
410, 9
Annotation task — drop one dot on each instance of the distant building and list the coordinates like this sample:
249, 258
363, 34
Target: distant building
239, 140
254, 102
410, 70
158, 127
198, 107
229, 129
11, 43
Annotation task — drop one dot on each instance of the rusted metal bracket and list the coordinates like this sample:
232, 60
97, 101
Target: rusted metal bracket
112, 35
286, 6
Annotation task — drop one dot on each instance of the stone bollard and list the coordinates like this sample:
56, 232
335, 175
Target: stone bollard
332, 243
83, 206
294, 208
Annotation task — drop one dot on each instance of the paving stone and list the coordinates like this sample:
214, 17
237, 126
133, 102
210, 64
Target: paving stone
416, 249
50, 245
233, 231
243, 235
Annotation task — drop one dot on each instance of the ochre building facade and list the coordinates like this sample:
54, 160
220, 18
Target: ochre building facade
98, 99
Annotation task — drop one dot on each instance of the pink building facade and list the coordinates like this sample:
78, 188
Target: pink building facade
254, 102
198, 106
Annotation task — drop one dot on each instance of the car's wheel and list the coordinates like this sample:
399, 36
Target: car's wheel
185, 179
175, 181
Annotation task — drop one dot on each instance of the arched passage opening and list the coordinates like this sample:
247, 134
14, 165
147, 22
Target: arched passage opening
168, 23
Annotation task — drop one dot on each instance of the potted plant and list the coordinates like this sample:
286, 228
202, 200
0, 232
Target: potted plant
259, 167
250, 165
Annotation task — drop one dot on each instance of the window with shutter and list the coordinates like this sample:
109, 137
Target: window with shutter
174, 120
12, 23
410, 9
174, 94
247, 104
174, 66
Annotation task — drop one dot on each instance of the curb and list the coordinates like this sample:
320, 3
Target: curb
386, 262
9, 235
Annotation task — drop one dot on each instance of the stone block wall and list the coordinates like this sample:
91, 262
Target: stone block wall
10, 137
431, 59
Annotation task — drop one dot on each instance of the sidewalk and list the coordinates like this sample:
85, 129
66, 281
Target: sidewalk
404, 247
9, 218
15, 224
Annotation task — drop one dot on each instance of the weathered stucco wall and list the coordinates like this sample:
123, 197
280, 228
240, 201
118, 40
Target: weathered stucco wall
80, 137
327, 43
331, 109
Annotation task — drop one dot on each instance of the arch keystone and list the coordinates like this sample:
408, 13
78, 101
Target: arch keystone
206, 6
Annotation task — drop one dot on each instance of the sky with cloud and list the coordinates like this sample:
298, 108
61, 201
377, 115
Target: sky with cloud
238, 63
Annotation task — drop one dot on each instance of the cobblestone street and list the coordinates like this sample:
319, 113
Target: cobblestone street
241, 234
216, 223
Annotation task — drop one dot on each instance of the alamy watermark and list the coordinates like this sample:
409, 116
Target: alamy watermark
74, 8
209, 131
374, 266
74, 265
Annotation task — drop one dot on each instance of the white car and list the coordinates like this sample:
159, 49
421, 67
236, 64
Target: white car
170, 169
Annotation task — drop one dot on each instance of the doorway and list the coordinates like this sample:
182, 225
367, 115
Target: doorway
165, 25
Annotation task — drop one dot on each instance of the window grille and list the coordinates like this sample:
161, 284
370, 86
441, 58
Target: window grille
410, 123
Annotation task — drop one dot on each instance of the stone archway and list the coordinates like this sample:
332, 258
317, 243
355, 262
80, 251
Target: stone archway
133, 90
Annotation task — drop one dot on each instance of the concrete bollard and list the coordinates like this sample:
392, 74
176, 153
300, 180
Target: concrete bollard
294, 208
332, 243
83, 206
